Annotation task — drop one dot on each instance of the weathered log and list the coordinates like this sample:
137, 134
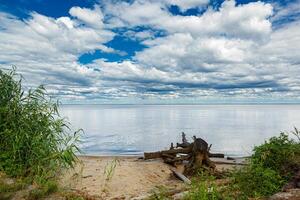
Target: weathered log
196, 153
229, 163
199, 156
184, 143
152, 155
158, 154
181, 176
164, 155
216, 155
172, 146
178, 159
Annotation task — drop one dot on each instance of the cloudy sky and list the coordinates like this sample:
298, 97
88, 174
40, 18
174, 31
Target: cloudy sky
155, 51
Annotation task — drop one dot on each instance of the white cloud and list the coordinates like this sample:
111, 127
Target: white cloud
243, 21
291, 11
230, 52
46, 49
93, 18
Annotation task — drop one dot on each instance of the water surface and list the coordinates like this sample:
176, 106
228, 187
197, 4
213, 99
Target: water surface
133, 129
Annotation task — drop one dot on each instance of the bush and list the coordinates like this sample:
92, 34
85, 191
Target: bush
257, 181
34, 140
279, 154
270, 167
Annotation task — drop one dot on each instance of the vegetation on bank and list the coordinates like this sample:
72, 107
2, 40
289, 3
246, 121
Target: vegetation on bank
36, 144
270, 167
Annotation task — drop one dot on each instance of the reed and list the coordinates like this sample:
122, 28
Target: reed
34, 140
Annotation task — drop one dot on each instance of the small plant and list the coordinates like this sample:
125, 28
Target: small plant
296, 133
34, 140
203, 191
203, 188
110, 168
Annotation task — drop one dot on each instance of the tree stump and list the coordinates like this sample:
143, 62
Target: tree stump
196, 154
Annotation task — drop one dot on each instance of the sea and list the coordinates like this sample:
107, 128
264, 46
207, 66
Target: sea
133, 129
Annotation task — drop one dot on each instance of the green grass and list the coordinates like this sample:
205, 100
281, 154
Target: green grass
203, 187
34, 140
271, 166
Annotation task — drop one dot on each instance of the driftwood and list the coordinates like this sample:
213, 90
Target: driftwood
229, 163
195, 154
216, 155
181, 176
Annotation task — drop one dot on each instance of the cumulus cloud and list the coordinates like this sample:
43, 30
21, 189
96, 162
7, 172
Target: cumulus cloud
229, 52
243, 21
90, 17
46, 49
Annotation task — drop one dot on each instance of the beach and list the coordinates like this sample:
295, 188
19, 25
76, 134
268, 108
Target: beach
131, 177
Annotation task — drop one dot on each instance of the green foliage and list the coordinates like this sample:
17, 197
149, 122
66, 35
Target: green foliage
203, 188
203, 191
34, 140
257, 181
270, 167
279, 154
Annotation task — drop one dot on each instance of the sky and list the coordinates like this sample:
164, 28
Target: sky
155, 51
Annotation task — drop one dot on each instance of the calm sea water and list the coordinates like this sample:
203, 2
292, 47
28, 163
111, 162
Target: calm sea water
133, 129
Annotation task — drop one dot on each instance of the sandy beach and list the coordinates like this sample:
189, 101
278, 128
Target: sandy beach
131, 177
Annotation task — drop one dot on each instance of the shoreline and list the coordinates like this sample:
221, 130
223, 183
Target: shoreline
129, 176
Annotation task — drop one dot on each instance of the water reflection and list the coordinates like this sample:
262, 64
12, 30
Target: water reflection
132, 129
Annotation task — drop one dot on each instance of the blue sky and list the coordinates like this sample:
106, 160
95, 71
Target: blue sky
155, 51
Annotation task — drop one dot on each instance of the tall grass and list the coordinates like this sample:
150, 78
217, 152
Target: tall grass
34, 140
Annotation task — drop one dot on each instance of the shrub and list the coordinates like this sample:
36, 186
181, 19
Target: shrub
278, 154
34, 140
257, 181
270, 167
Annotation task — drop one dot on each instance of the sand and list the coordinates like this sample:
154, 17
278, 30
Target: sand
131, 177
